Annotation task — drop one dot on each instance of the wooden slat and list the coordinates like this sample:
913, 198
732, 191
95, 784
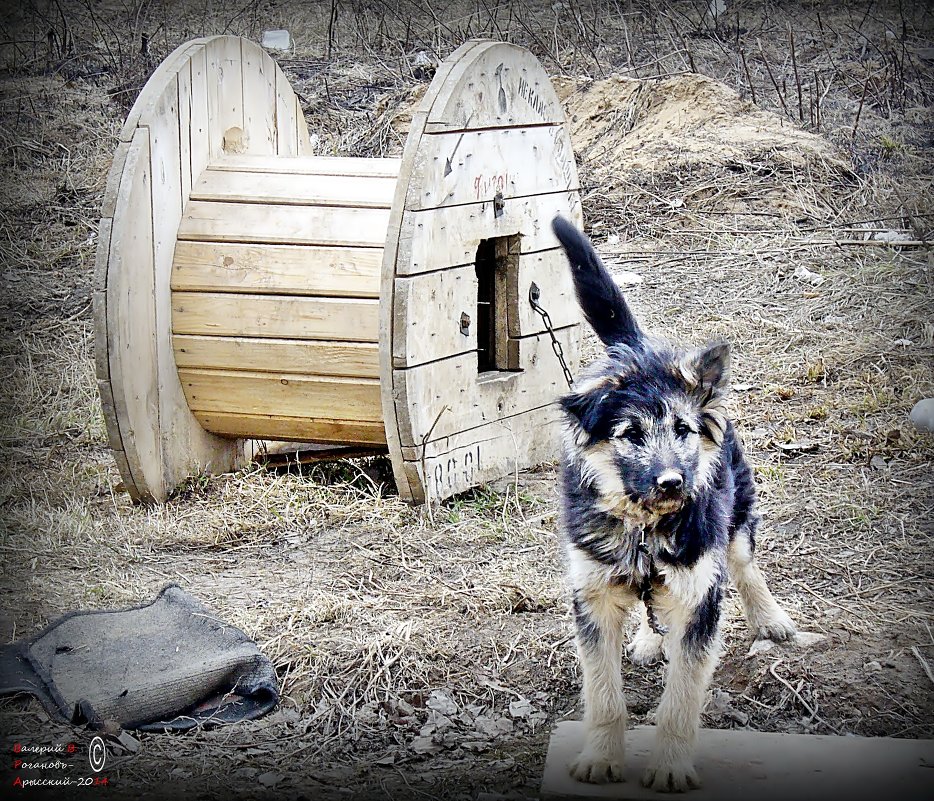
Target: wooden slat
473, 400
286, 124
430, 306
284, 395
295, 189
225, 89
132, 325
259, 98
279, 269
299, 429
457, 463
311, 357
436, 239
290, 225
155, 86
199, 126
221, 314
476, 165
495, 85
311, 165
183, 85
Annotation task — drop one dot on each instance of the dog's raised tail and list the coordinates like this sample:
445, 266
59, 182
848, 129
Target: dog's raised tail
600, 297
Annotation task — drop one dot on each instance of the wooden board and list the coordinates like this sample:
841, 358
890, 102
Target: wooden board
280, 224
472, 166
736, 765
430, 306
494, 85
225, 95
131, 325
286, 395
351, 359
279, 269
438, 239
347, 166
299, 429
222, 314
295, 189
449, 465
259, 98
286, 116
471, 400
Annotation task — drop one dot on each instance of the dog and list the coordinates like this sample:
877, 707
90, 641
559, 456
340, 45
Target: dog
658, 505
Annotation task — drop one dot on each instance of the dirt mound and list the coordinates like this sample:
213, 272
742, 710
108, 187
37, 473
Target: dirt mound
690, 145
625, 124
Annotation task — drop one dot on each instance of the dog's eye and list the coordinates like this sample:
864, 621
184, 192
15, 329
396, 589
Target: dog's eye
632, 433
682, 429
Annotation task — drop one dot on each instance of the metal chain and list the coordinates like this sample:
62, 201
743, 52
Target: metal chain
534, 294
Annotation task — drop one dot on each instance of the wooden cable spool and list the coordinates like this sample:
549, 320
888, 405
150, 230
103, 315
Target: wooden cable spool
249, 290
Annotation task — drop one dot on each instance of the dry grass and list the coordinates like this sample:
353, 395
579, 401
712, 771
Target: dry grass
402, 641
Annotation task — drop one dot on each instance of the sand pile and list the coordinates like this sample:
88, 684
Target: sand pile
691, 141
629, 124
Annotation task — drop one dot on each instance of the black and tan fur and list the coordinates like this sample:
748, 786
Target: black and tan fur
651, 457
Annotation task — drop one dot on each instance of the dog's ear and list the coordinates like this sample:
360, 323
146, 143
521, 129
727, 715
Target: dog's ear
587, 408
706, 372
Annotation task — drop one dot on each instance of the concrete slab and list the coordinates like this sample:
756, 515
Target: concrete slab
758, 766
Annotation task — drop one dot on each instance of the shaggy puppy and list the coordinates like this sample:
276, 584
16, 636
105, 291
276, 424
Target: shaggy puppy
658, 500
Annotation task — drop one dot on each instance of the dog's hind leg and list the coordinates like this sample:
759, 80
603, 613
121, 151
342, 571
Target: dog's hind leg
765, 617
646, 646
599, 614
693, 648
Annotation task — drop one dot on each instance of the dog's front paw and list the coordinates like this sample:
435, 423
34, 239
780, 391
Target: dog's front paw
776, 626
596, 768
645, 648
671, 777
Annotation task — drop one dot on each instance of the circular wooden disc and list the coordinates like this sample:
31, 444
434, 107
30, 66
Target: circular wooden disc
488, 160
208, 92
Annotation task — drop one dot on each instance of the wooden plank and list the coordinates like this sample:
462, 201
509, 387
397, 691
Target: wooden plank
298, 429
132, 325
183, 83
467, 167
225, 95
199, 126
259, 98
312, 357
222, 314
280, 394
155, 87
286, 123
301, 127
735, 765
430, 306
469, 399
288, 225
456, 463
347, 166
110, 198
279, 269
495, 85
436, 239
295, 189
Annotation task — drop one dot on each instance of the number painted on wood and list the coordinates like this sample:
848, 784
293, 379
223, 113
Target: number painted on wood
457, 471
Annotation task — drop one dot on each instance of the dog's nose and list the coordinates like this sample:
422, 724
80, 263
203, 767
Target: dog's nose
670, 481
